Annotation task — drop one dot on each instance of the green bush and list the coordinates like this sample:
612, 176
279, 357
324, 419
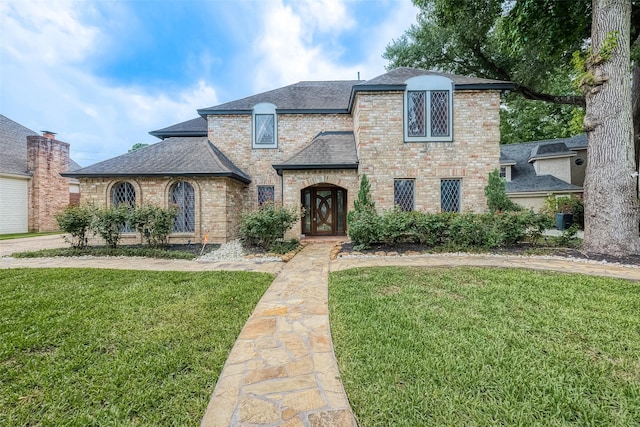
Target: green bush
76, 221
432, 229
565, 204
397, 226
153, 223
266, 225
495, 191
363, 228
109, 222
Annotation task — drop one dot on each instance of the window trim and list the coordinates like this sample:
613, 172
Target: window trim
273, 193
263, 109
459, 180
428, 85
172, 188
413, 194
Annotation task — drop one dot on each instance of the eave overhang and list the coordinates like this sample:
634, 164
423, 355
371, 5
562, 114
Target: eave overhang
280, 168
189, 174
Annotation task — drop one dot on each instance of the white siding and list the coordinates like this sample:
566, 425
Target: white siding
13, 205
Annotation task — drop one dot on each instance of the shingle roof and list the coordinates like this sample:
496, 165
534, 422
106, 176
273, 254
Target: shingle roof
307, 95
193, 127
523, 174
547, 150
399, 75
188, 156
328, 150
337, 95
13, 146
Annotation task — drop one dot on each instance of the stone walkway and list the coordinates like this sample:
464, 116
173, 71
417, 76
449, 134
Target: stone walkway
282, 369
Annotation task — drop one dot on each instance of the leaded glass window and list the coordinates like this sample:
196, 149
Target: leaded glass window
266, 194
450, 195
265, 129
416, 113
440, 113
183, 197
403, 194
123, 194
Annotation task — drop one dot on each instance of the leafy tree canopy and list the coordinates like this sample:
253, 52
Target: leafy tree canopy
527, 42
137, 146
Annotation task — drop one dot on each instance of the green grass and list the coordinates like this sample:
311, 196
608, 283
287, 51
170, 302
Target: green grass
105, 347
481, 346
21, 235
106, 251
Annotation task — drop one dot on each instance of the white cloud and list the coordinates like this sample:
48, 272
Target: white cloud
45, 85
298, 41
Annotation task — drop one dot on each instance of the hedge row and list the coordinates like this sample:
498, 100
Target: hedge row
488, 230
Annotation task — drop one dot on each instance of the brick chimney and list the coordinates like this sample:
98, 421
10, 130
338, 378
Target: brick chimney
48, 191
48, 134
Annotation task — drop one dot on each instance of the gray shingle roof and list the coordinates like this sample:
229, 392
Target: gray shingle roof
523, 174
399, 75
13, 146
547, 150
311, 96
188, 156
193, 127
337, 95
328, 150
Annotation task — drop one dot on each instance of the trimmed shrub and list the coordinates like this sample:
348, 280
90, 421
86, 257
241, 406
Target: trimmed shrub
363, 228
495, 191
108, 223
397, 226
76, 221
266, 225
153, 223
432, 229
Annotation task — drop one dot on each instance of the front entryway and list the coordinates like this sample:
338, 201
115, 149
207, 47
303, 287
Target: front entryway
325, 211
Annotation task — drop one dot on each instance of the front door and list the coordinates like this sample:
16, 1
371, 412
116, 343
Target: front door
325, 211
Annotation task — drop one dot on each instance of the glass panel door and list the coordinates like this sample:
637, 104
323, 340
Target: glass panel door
324, 212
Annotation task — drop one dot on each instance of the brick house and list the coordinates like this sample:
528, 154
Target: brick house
32, 191
426, 141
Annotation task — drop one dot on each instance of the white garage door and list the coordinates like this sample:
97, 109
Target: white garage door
13, 205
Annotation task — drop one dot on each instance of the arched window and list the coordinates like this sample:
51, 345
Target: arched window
123, 194
183, 197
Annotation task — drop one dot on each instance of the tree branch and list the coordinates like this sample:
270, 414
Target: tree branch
534, 95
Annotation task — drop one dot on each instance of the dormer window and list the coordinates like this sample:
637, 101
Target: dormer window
428, 108
265, 126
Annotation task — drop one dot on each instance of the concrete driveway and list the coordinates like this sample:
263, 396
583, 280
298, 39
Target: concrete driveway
7, 247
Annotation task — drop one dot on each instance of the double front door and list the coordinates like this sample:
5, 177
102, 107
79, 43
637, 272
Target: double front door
325, 211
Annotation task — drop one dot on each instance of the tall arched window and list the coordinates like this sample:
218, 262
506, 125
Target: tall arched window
123, 194
183, 197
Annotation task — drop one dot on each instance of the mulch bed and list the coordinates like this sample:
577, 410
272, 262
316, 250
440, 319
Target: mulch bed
522, 249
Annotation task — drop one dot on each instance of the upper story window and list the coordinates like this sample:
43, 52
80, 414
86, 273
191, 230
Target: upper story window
428, 109
265, 126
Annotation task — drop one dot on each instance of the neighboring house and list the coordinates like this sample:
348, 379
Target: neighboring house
31, 188
534, 170
426, 141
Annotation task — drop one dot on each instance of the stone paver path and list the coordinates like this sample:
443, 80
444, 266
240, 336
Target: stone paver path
282, 369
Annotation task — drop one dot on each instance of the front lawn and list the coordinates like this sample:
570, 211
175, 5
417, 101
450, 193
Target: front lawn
167, 252
482, 346
105, 347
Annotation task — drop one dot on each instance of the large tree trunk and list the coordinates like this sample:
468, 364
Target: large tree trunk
611, 198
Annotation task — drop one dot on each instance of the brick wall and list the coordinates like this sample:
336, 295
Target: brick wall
472, 155
48, 191
232, 135
217, 203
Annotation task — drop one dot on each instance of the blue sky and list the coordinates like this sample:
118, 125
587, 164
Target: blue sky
103, 73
